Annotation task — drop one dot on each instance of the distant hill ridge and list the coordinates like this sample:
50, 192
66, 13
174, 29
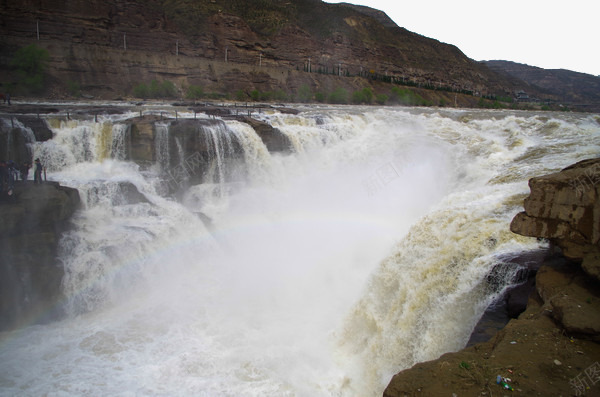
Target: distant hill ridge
571, 87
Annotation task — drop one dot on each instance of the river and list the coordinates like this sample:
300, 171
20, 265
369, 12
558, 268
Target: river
323, 271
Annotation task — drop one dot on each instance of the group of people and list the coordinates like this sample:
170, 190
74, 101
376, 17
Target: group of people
11, 172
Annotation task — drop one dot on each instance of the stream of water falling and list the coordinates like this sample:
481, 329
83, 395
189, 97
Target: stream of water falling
322, 272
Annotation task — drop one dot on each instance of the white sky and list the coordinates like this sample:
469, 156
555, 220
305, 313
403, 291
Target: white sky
550, 34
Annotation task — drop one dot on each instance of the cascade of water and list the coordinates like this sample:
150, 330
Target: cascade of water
120, 135
325, 270
258, 160
75, 142
163, 154
219, 140
104, 140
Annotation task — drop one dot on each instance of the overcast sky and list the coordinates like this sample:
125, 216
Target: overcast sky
549, 34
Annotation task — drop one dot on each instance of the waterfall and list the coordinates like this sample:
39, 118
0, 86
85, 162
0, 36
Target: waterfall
318, 271
163, 156
220, 142
120, 135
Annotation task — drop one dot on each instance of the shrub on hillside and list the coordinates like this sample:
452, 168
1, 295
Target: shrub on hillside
339, 96
31, 63
407, 97
194, 92
156, 90
362, 96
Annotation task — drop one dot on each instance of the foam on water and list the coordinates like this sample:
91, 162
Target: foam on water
321, 272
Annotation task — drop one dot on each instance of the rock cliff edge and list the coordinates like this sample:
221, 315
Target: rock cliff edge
33, 219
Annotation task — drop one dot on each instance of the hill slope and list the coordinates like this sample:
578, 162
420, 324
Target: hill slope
575, 89
107, 48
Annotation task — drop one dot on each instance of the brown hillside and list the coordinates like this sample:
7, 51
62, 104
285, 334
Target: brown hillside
107, 47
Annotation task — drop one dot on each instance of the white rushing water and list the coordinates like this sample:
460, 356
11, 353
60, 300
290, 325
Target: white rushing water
323, 272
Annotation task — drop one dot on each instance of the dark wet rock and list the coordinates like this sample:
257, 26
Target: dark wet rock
39, 127
513, 301
34, 218
274, 139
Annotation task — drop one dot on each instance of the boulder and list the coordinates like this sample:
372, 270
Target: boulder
272, 137
572, 300
591, 264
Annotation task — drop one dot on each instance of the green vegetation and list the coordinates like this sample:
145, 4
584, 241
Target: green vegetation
166, 89
255, 95
339, 96
404, 96
363, 96
488, 104
74, 88
30, 63
304, 93
240, 95
194, 92
381, 99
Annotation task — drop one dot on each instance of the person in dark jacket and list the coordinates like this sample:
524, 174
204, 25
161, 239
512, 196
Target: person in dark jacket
37, 172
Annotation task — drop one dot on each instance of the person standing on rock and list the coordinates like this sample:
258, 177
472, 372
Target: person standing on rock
37, 172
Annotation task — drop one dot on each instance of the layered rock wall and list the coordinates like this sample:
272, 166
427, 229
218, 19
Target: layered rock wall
565, 208
107, 47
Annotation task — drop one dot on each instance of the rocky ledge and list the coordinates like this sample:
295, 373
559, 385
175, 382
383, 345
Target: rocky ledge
33, 218
552, 348
565, 208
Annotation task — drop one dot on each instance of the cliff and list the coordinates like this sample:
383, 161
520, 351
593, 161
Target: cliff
552, 347
106, 48
565, 208
33, 219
